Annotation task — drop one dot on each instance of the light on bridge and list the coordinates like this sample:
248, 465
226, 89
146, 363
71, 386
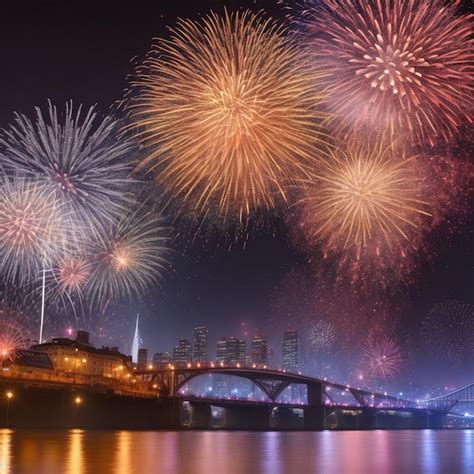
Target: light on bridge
78, 400
9, 395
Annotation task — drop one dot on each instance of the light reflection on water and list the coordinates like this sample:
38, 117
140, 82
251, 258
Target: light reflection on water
142, 452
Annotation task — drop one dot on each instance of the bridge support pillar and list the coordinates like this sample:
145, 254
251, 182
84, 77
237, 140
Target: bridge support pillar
315, 412
200, 416
247, 418
436, 421
367, 419
314, 418
420, 420
286, 419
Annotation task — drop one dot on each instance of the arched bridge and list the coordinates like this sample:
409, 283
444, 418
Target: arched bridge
323, 400
458, 401
272, 383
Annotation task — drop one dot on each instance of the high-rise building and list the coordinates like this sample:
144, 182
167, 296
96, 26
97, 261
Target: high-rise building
290, 351
142, 358
231, 351
161, 359
200, 344
259, 349
182, 353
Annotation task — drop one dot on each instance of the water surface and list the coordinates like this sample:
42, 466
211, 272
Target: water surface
328, 452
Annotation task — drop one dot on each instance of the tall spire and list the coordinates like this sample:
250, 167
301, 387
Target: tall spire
136, 338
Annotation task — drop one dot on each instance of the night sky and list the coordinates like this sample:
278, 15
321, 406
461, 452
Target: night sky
74, 50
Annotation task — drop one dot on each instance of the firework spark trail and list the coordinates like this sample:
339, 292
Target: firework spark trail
79, 157
227, 112
448, 331
129, 257
31, 229
396, 67
382, 357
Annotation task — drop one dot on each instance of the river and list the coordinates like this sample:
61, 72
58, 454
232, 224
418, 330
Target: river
193, 452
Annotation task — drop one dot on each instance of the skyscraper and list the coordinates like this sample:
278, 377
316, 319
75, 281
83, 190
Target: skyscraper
290, 351
200, 344
259, 349
142, 358
182, 352
231, 351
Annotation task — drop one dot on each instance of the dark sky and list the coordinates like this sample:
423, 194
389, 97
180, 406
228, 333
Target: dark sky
84, 51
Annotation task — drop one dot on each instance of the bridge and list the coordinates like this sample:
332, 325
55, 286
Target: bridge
457, 402
327, 403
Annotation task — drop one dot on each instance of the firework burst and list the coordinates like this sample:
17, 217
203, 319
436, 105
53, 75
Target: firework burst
78, 157
382, 357
31, 228
13, 333
362, 197
448, 331
321, 335
129, 257
394, 66
72, 274
226, 111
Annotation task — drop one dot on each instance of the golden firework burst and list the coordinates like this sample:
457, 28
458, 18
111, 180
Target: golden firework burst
228, 113
363, 196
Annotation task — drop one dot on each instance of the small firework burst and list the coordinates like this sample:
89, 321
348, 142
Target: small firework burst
129, 257
321, 335
227, 112
448, 331
31, 228
72, 274
382, 357
394, 67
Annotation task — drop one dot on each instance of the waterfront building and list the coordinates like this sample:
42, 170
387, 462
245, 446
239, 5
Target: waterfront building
259, 350
290, 351
81, 357
182, 353
200, 344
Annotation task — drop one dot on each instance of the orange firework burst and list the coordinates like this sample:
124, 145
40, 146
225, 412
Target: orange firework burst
72, 274
227, 112
363, 197
394, 66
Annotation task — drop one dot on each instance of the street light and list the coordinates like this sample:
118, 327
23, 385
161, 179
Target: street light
78, 400
9, 395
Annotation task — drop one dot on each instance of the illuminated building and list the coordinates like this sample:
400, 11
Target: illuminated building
182, 353
142, 358
200, 344
290, 351
161, 359
259, 350
231, 351
81, 357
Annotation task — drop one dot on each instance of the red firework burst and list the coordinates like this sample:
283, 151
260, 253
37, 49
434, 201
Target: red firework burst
394, 66
382, 357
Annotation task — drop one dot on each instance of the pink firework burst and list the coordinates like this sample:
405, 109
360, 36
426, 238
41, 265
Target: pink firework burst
393, 67
382, 357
